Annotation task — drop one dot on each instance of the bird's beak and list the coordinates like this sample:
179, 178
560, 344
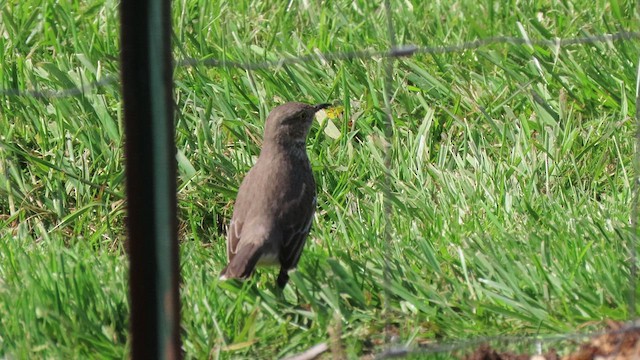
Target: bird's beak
320, 107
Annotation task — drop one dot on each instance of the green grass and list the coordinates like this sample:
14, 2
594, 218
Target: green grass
511, 175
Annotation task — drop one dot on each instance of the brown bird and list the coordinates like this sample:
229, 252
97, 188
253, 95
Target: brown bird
277, 198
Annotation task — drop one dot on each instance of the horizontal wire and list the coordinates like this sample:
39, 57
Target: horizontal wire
50, 94
395, 52
409, 50
465, 344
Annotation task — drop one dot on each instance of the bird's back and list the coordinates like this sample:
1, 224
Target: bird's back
275, 200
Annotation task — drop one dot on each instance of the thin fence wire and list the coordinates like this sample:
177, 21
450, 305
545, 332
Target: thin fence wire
386, 201
397, 51
635, 211
69, 92
533, 340
409, 50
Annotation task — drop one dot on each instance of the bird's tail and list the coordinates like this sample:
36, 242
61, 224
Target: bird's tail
241, 266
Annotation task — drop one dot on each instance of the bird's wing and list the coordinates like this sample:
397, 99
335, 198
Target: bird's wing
295, 238
243, 201
233, 237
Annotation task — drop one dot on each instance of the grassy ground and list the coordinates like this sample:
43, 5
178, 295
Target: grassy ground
511, 175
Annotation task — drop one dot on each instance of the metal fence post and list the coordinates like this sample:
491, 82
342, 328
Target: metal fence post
151, 178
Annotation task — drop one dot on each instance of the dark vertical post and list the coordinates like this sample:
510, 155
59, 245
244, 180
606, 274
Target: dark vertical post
150, 178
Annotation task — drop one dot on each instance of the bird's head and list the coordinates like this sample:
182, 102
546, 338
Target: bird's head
290, 123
